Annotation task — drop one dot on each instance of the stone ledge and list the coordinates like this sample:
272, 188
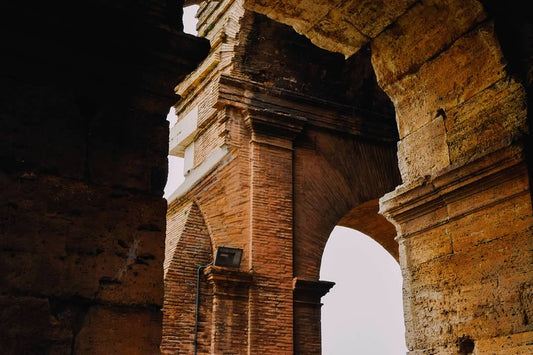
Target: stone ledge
317, 112
310, 291
228, 282
455, 183
197, 174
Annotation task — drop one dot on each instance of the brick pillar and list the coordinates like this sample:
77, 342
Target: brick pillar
271, 188
307, 315
230, 310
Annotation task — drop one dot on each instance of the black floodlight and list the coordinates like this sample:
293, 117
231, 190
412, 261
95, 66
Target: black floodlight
228, 257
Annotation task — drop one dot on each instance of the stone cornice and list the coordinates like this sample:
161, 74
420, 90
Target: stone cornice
249, 95
266, 124
227, 281
310, 291
454, 184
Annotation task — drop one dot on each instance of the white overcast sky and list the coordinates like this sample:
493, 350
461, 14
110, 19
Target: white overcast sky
362, 314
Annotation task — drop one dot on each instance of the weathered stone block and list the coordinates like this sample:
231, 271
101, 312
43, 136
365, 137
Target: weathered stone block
56, 249
334, 33
473, 293
424, 151
432, 244
304, 13
140, 273
473, 63
401, 50
492, 223
30, 326
519, 344
494, 116
371, 17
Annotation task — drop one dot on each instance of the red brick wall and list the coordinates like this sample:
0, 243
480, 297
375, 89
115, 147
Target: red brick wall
193, 249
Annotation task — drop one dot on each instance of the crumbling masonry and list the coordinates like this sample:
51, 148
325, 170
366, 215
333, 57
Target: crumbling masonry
411, 124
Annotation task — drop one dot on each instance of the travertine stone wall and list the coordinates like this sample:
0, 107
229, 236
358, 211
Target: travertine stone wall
342, 26
464, 278
464, 248
448, 107
84, 92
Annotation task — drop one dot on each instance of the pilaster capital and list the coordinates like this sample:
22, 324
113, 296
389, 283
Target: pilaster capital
310, 291
227, 281
265, 122
453, 193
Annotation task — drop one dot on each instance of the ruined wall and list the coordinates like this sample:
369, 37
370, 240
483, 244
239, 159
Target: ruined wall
458, 77
84, 90
468, 126
287, 117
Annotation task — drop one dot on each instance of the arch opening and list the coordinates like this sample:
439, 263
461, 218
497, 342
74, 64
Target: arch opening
362, 313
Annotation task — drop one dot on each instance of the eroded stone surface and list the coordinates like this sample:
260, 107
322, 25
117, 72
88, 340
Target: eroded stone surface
83, 166
341, 26
425, 30
84, 90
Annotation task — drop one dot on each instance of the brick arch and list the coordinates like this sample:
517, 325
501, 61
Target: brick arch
308, 291
464, 211
189, 246
366, 219
338, 180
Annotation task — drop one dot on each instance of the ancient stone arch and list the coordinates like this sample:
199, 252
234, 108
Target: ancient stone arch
84, 95
304, 160
279, 145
